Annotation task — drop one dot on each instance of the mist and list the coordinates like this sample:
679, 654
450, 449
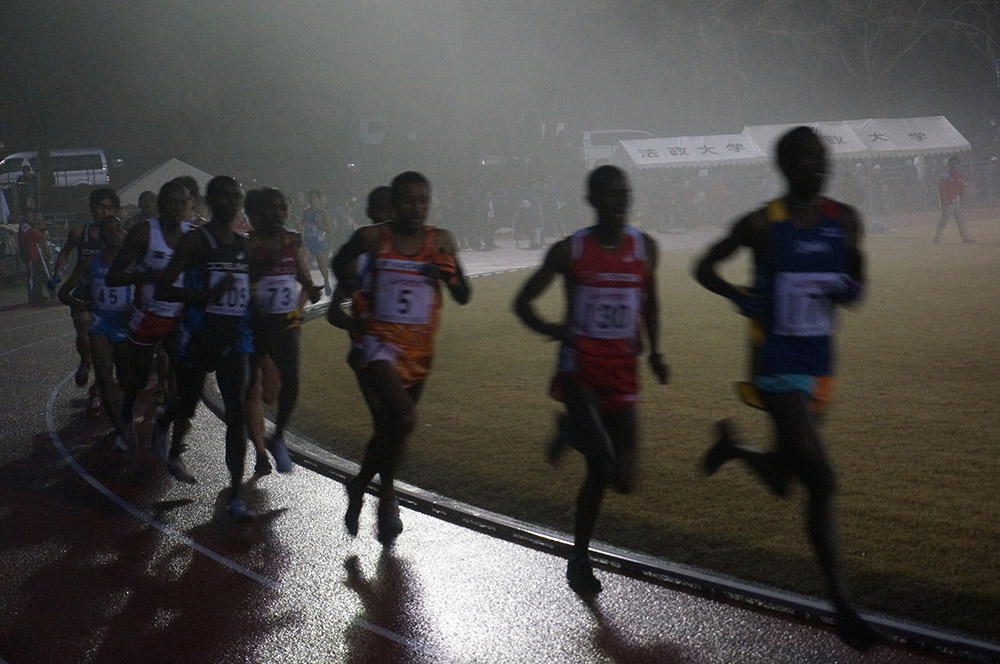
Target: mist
280, 92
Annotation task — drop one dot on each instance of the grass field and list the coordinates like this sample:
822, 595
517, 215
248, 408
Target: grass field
912, 431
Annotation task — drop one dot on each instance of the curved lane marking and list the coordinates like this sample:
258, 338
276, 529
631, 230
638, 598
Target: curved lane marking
131, 509
174, 534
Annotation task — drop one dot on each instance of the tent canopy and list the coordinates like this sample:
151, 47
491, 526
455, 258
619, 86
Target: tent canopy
909, 137
839, 137
693, 151
155, 177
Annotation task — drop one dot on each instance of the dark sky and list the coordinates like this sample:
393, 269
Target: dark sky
278, 87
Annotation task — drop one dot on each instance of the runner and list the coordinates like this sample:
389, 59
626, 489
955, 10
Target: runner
609, 271
357, 291
808, 258
148, 247
315, 229
213, 262
109, 309
276, 264
85, 240
408, 258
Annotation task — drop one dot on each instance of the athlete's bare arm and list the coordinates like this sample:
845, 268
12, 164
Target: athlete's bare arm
310, 291
122, 272
855, 231
187, 254
66, 291
746, 232
73, 238
364, 239
556, 263
449, 269
651, 314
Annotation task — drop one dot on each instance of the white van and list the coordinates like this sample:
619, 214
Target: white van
87, 166
598, 145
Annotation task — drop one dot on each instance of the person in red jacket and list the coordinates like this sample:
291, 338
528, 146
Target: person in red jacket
951, 190
35, 252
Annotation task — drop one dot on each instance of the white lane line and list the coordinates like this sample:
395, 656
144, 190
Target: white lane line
35, 343
128, 507
174, 534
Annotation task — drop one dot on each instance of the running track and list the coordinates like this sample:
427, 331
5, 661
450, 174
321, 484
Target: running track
104, 558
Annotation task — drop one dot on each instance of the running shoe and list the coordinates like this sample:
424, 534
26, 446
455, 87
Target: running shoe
238, 512
180, 472
120, 444
263, 465
355, 498
82, 375
159, 440
722, 451
389, 523
282, 462
328, 290
94, 406
580, 575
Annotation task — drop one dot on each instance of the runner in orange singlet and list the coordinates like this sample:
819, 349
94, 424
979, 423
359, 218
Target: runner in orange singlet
408, 258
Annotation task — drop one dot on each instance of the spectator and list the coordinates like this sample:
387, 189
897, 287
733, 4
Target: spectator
35, 252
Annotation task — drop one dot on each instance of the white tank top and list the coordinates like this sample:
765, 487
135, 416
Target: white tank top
158, 255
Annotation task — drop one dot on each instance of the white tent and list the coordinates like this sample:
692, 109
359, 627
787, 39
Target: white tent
693, 151
154, 178
909, 137
840, 138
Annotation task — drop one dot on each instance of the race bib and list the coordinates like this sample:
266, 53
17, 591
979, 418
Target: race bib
106, 298
277, 294
606, 313
802, 307
233, 302
403, 298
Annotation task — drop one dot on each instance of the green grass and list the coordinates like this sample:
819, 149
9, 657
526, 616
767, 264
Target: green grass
911, 432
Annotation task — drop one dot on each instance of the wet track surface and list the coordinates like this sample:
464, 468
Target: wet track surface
105, 558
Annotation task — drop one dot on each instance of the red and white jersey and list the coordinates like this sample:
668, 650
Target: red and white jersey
158, 255
606, 292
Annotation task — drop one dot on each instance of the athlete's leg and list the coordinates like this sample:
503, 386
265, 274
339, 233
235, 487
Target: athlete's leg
394, 419
770, 466
798, 439
102, 355
141, 363
322, 260
232, 375
255, 415
81, 324
285, 354
620, 423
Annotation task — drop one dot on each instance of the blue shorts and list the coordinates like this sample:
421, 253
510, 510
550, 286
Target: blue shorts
785, 383
110, 324
314, 245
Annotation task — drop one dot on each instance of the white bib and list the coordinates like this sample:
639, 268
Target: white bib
403, 298
234, 301
277, 293
802, 307
605, 313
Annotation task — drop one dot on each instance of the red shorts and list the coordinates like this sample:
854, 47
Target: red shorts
146, 329
614, 380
